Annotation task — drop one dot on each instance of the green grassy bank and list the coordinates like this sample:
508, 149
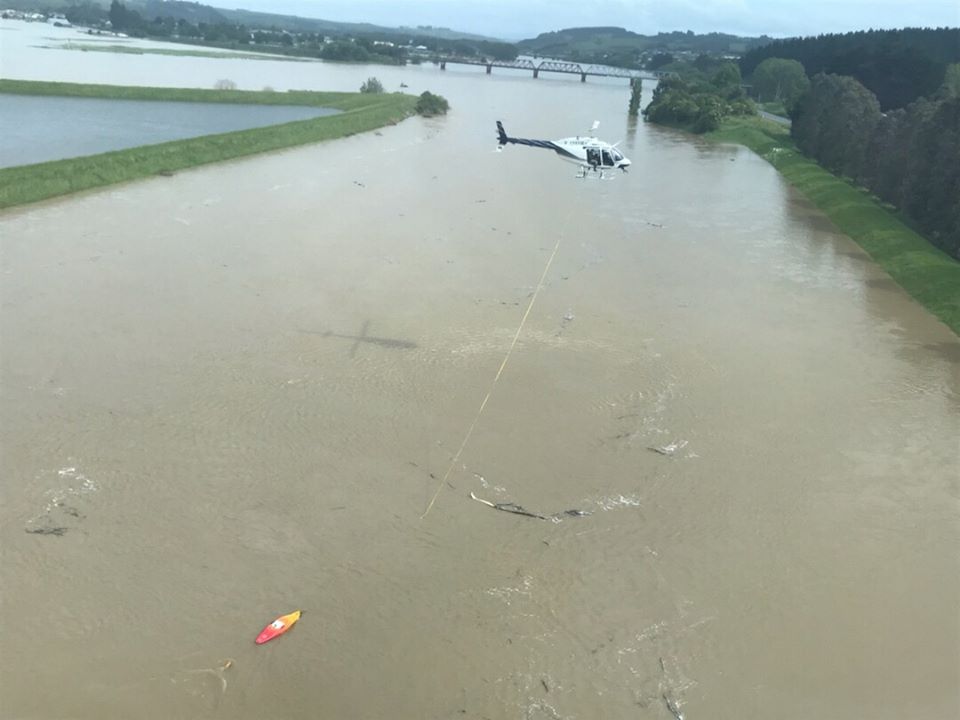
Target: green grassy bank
774, 108
928, 274
31, 183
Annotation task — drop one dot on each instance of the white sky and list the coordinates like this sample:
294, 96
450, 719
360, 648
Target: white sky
518, 19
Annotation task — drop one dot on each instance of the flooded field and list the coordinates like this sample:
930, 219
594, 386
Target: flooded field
36, 129
233, 393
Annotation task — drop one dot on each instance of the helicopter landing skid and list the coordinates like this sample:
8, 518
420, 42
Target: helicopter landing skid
591, 172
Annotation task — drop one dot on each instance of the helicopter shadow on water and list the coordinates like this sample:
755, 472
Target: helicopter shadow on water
363, 337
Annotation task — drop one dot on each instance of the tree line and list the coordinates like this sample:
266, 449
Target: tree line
898, 66
700, 99
381, 47
908, 157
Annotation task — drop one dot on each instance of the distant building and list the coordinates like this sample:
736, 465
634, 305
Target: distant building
21, 15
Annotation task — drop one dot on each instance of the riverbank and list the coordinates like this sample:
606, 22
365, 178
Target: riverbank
931, 276
32, 183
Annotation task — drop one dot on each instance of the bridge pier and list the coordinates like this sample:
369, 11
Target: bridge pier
443, 64
583, 77
489, 68
536, 73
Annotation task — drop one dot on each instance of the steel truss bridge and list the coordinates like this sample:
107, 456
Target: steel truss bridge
557, 66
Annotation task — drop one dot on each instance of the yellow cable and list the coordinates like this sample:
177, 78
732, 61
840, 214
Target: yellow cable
506, 357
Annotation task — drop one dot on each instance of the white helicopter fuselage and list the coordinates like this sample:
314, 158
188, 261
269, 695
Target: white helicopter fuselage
588, 152
592, 152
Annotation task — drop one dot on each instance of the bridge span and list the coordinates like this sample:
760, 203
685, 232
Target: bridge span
557, 66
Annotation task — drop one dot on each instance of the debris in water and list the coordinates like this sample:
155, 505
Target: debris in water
669, 449
217, 672
60, 514
47, 530
672, 707
509, 507
520, 510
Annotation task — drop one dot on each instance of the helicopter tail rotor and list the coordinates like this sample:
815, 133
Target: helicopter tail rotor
501, 135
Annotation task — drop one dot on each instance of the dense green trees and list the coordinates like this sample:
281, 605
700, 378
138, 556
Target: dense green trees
836, 122
908, 157
344, 51
126, 21
659, 60
883, 109
898, 66
951, 81
780, 80
86, 13
697, 103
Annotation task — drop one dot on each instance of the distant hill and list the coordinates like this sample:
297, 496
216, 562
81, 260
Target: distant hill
192, 12
618, 46
195, 13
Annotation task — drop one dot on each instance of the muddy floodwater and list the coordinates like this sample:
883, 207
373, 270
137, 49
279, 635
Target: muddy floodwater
232, 393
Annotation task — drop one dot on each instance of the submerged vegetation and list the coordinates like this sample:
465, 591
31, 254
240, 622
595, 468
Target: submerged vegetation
699, 103
928, 274
430, 105
31, 183
372, 86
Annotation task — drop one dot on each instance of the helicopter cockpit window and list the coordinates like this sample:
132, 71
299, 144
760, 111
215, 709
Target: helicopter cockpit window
607, 160
617, 155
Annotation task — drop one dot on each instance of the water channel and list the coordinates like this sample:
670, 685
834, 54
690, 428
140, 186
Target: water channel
36, 129
238, 388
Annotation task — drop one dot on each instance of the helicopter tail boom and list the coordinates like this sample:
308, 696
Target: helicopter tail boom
504, 139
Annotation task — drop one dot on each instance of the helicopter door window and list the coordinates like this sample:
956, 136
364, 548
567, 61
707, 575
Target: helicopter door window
607, 160
593, 156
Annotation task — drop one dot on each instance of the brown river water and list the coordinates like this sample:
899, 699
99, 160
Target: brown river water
235, 391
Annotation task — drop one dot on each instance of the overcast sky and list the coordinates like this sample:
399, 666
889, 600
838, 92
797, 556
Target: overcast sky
518, 19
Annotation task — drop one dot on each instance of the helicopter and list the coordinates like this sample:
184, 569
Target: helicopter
591, 154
